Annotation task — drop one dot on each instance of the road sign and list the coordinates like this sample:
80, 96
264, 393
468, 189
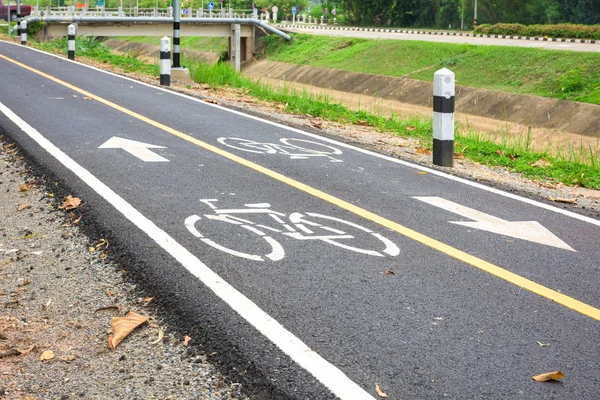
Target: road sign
275, 9
294, 10
211, 5
100, 3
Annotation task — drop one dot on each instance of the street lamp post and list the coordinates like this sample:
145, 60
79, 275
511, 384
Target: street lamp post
475, 16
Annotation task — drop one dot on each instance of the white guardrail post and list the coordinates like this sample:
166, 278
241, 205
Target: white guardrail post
165, 61
24, 32
71, 42
443, 118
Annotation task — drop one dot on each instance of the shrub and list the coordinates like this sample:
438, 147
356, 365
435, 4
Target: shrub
554, 31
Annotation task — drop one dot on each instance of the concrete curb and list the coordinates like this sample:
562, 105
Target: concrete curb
418, 32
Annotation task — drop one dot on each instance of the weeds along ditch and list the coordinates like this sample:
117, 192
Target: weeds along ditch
569, 165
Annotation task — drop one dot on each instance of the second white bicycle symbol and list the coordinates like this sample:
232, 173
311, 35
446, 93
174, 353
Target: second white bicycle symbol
296, 149
299, 226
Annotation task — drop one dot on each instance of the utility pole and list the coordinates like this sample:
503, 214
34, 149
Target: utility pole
475, 16
176, 33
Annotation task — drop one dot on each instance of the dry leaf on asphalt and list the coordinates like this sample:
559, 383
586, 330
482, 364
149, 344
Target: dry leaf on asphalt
186, 340
423, 150
389, 272
542, 163
123, 326
70, 203
23, 207
47, 355
548, 376
24, 188
211, 101
380, 392
562, 200
147, 299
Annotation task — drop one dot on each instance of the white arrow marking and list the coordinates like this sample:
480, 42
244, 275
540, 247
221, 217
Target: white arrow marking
137, 149
532, 231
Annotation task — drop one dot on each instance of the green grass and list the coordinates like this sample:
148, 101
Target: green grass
92, 48
569, 166
565, 75
214, 44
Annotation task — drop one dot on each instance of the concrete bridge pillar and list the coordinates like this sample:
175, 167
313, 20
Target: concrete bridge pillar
235, 47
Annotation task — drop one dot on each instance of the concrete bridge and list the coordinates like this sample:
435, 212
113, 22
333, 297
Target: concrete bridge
244, 33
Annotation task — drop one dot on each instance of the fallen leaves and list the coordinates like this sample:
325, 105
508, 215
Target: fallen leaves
548, 376
380, 392
562, 200
389, 272
161, 334
211, 101
24, 188
47, 355
410, 128
70, 203
423, 150
459, 156
23, 207
123, 326
186, 340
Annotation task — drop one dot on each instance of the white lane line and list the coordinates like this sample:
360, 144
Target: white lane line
348, 146
325, 372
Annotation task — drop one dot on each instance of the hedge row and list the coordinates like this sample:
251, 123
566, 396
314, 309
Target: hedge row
570, 31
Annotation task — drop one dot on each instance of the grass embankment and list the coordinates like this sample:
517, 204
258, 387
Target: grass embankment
564, 75
569, 166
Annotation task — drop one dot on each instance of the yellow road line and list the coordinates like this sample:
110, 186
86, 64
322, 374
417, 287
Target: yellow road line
483, 265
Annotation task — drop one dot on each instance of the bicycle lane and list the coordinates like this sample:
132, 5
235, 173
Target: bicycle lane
329, 264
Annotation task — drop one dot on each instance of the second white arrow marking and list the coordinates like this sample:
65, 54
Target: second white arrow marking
137, 149
531, 231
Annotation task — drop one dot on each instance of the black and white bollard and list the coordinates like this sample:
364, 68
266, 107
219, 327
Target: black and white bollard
176, 33
443, 118
71, 42
165, 61
24, 32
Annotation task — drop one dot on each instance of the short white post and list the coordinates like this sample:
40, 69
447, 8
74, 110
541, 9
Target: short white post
231, 13
71, 41
120, 11
165, 61
24, 32
255, 13
274, 17
443, 118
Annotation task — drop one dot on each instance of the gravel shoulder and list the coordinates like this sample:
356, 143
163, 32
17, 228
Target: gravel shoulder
59, 293
59, 289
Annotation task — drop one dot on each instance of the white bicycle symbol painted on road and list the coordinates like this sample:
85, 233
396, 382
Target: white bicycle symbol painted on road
295, 225
296, 149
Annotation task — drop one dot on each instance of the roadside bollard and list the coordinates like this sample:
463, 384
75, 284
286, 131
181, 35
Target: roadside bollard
443, 118
71, 42
165, 61
24, 32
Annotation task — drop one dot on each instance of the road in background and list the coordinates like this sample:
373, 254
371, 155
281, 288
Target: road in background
586, 47
345, 268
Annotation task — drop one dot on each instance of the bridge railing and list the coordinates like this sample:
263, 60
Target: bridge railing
72, 11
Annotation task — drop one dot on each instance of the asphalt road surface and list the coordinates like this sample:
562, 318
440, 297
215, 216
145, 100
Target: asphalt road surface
275, 243
586, 47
